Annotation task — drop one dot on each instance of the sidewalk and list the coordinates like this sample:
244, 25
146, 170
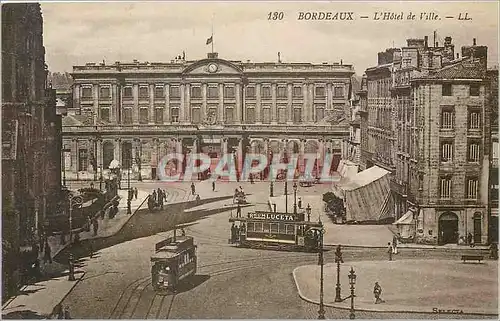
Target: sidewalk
40, 298
407, 285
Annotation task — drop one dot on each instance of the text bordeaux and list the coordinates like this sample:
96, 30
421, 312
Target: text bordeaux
271, 216
325, 15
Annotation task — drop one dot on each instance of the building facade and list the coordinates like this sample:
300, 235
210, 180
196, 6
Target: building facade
31, 138
427, 124
137, 112
492, 104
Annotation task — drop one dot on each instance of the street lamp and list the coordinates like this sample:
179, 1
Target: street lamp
286, 194
321, 311
338, 260
352, 282
308, 211
76, 200
294, 197
271, 189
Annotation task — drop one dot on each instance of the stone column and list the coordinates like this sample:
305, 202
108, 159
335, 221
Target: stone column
74, 155
310, 102
95, 94
238, 104
239, 155
305, 110
99, 155
179, 151
204, 102
221, 104
266, 146
135, 110
274, 111
329, 96
182, 107
187, 104
118, 151
224, 146
289, 112
166, 109
151, 113
258, 106
302, 147
113, 112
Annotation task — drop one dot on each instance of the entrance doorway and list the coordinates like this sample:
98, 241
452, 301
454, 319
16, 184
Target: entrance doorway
448, 228
477, 228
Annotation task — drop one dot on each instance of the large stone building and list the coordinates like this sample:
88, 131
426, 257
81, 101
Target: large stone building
427, 123
31, 138
137, 112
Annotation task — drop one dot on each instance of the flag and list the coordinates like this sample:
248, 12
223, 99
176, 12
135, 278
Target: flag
209, 40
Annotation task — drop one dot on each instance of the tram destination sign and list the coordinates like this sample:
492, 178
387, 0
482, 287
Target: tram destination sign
271, 216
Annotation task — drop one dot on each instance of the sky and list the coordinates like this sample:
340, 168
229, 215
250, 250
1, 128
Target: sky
77, 33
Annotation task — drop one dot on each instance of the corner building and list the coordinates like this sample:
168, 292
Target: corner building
137, 112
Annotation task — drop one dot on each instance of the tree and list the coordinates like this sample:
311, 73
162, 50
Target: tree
334, 203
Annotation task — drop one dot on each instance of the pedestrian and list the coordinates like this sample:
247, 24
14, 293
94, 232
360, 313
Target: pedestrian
389, 250
233, 232
193, 188
213, 186
66, 313
300, 202
58, 312
154, 197
494, 251
47, 257
160, 198
395, 244
251, 179
377, 291
470, 240
238, 211
95, 224
198, 198
135, 192
89, 222
165, 194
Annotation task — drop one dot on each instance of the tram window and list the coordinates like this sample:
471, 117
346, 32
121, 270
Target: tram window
250, 227
267, 227
282, 229
290, 229
258, 227
274, 228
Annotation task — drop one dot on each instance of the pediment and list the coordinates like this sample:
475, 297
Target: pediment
212, 67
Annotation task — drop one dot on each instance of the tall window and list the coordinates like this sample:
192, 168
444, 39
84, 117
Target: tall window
212, 113
474, 89
250, 92
297, 115
86, 92
250, 115
143, 115
474, 119
447, 119
445, 188
195, 92
174, 92
196, 114
174, 114
104, 92
158, 115
446, 151
229, 92
229, 114
143, 92
266, 92
108, 153
127, 93
266, 115
159, 92
471, 187
473, 151
319, 111
282, 92
127, 115
83, 158
319, 92
127, 155
104, 113
297, 91
281, 115
338, 92
213, 92
446, 90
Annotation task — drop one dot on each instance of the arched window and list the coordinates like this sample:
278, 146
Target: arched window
108, 150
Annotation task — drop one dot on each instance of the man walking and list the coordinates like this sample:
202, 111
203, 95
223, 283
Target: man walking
377, 291
193, 188
395, 244
389, 250
213, 186
238, 211
95, 225
135, 192
47, 257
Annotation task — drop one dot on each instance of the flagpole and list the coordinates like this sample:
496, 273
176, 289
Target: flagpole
212, 33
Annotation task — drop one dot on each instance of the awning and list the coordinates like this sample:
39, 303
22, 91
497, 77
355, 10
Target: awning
406, 219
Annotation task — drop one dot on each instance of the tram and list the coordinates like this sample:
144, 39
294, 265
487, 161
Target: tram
274, 230
173, 261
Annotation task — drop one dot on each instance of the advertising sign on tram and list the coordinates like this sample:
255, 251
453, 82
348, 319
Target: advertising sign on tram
271, 216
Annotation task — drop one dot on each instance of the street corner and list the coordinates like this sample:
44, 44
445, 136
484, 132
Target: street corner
408, 286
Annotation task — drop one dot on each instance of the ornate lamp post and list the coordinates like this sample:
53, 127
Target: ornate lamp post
294, 197
352, 282
338, 260
308, 211
321, 311
271, 189
286, 195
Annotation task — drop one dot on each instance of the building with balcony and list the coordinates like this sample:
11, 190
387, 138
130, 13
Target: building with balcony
137, 112
427, 125
31, 140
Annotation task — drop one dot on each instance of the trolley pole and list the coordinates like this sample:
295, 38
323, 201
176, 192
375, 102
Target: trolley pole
286, 195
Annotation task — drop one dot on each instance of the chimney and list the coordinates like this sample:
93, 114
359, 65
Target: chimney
426, 39
473, 41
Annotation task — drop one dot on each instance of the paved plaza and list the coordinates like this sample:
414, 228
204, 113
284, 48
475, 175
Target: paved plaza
408, 285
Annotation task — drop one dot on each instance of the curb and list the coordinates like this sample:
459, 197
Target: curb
406, 247
303, 297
